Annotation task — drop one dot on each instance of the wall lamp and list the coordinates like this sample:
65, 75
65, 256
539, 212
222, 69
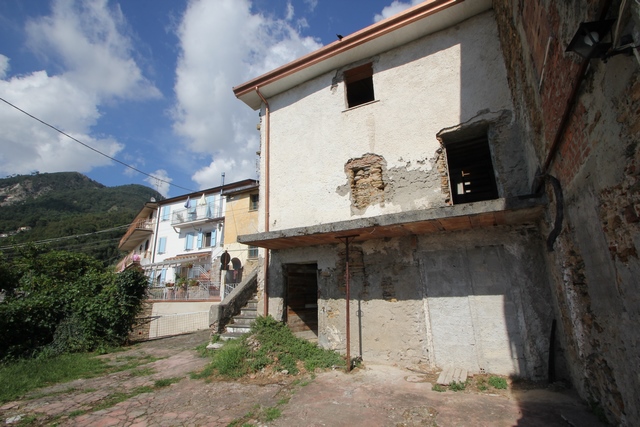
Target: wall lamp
590, 41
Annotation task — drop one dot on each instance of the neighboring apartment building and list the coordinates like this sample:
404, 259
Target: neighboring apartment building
403, 202
138, 239
178, 242
241, 218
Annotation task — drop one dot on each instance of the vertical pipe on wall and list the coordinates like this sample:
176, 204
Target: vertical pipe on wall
568, 110
347, 297
265, 149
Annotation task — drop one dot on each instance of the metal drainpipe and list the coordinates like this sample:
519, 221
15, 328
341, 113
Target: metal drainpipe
267, 132
347, 296
564, 121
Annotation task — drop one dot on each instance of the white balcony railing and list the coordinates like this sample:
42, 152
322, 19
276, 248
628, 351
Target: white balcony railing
197, 213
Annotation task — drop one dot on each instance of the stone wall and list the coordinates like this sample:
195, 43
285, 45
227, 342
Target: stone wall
594, 267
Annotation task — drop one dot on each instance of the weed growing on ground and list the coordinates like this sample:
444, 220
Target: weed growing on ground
498, 382
438, 388
457, 386
165, 382
143, 372
271, 414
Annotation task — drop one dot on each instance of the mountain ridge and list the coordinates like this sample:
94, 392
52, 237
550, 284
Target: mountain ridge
46, 206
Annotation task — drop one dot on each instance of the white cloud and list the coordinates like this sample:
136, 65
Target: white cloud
240, 46
86, 41
290, 12
394, 8
4, 66
311, 4
162, 184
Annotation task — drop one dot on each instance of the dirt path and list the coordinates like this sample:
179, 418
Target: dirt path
158, 392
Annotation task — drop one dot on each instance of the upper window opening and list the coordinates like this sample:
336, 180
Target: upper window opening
359, 85
471, 171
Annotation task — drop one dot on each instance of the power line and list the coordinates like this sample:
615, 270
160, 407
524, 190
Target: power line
57, 239
94, 149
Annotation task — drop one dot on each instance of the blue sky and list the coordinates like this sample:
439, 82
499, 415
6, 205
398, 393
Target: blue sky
148, 82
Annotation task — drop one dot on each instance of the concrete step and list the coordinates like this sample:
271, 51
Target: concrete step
243, 320
451, 374
238, 328
230, 336
248, 312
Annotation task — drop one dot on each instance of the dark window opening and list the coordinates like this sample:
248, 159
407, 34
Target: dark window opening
471, 171
255, 200
206, 239
359, 85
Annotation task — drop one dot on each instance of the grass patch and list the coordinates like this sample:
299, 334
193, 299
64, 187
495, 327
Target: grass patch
270, 344
20, 377
77, 413
498, 382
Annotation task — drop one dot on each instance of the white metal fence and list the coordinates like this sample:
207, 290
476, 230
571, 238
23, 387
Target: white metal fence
175, 324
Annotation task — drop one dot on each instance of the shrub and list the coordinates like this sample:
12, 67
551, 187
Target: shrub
63, 302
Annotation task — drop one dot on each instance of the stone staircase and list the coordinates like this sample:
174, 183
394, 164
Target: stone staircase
241, 323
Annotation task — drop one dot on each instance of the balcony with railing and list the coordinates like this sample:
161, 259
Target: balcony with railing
195, 215
196, 282
137, 232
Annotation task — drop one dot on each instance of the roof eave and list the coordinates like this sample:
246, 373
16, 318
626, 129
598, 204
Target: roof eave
246, 92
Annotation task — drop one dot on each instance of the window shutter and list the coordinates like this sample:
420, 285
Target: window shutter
213, 237
162, 244
200, 236
188, 242
163, 276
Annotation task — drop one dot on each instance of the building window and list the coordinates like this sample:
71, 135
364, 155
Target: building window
255, 200
165, 213
471, 171
253, 252
204, 239
359, 85
188, 242
162, 245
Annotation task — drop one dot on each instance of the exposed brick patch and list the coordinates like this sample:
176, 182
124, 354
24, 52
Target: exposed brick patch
443, 171
366, 180
576, 146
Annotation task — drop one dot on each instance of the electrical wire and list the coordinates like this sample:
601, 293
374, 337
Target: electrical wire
94, 149
57, 239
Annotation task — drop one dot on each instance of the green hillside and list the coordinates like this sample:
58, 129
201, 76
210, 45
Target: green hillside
55, 205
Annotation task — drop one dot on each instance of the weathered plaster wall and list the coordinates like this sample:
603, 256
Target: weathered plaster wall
449, 78
594, 267
476, 299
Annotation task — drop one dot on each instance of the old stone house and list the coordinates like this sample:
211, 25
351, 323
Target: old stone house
434, 180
